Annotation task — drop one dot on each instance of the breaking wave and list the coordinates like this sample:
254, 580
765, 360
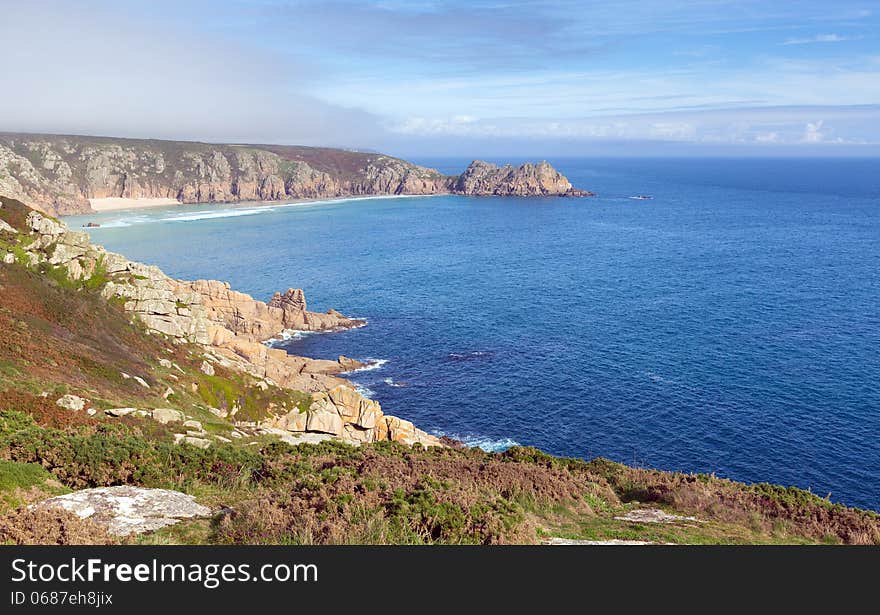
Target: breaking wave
365, 391
490, 445
372, 364
467, 356
390, 382
287, 335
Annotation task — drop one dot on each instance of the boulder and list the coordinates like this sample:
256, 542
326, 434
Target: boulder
71, 402
43, 225
324, 420
207, 369
128, 510
292, 421
120, 411
348, 364
167, 415
192, 440
400, 430
405, 432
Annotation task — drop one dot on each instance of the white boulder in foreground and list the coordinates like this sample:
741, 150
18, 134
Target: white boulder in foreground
129, 510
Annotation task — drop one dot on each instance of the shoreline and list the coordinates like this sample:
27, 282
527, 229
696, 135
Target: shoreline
104, 204
184, 209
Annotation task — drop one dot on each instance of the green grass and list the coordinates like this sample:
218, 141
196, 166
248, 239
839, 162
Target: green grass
99, 276
9, 369
604, 527
226, 390
25, 476
59, 274
21, 475
21, 257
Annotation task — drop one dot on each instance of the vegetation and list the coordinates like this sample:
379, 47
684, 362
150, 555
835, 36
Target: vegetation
388, 493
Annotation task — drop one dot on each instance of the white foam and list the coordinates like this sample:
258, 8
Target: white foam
372, 364
289, 334
365, 391
487, 444
210, 215
390, 382
469, 355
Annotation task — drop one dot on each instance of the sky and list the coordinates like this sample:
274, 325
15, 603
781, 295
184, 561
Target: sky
435, 77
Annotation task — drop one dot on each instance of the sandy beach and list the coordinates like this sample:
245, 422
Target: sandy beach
113, 203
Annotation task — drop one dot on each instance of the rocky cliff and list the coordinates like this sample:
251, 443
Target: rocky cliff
59, 174
228, 329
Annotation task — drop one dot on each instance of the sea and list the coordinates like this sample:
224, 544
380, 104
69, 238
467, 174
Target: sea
729, 324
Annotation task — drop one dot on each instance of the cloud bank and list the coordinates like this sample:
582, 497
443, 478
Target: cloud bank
91, 68
437, 75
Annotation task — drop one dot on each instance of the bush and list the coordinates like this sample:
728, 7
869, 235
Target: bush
51, 527
117, 454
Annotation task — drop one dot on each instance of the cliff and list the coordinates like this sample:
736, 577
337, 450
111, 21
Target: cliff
59, 174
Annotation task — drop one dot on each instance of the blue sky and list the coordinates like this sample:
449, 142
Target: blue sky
446, 77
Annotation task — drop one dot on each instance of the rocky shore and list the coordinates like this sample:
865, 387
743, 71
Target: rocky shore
229, 327
63, 174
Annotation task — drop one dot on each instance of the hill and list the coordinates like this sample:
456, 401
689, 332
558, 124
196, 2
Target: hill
59, 174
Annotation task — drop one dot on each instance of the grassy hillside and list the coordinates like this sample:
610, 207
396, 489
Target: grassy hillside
59, 337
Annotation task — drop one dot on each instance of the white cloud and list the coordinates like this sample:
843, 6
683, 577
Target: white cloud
764, 125
813, 132
767, 137
821, 38
673, 131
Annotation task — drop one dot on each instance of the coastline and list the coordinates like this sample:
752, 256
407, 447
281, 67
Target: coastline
218, 380
188, 212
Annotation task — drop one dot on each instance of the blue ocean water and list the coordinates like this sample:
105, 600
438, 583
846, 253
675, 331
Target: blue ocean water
731, 324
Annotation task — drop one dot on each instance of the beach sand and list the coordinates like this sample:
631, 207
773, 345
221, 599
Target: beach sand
112, 203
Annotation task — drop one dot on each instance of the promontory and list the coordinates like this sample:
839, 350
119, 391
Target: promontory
62, 174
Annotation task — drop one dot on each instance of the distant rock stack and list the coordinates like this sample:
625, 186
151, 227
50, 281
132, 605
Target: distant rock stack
487, 179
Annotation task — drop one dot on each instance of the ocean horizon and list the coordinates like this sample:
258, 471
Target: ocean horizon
728, 324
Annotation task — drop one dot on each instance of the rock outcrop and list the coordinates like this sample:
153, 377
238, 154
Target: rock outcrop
487, 179
344, 413
255, 320
59, 174
128, 510
205, 312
